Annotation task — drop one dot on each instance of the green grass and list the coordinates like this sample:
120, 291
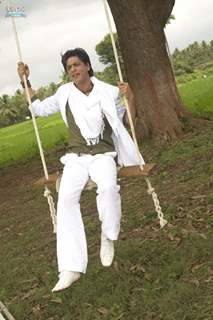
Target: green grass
18, 142
197, 96
157, 274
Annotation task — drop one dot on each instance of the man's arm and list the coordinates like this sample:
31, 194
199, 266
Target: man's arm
39, 108
126, 91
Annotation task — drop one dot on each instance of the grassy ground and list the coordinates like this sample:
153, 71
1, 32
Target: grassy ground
197, 95
156, 275
17, 142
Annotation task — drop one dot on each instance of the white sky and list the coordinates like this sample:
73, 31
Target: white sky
53, 26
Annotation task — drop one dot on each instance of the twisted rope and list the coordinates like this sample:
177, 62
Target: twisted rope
47, 192
48, 195
151, 191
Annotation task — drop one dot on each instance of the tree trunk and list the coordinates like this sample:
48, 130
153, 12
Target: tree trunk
140, 26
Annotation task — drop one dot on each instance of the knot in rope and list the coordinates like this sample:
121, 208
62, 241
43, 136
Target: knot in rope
158, 209
150, 191
48, 195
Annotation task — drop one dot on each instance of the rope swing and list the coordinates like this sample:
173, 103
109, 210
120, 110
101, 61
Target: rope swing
151, 190
142, 169
12, 13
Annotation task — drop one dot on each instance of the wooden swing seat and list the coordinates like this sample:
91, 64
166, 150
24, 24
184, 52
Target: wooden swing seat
130, 171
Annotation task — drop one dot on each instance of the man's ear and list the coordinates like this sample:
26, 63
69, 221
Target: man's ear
88, 66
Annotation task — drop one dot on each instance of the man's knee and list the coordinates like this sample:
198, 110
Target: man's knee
108, 187
69, 198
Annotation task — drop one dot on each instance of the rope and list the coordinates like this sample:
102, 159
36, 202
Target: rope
6, 312
151, 190
49, 196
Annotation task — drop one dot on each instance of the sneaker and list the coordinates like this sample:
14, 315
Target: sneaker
66, 278
107, 251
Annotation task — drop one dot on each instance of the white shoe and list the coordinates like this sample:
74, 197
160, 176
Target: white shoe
107, 251
66, 278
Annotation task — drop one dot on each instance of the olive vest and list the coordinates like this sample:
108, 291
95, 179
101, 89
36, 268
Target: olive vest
77, 144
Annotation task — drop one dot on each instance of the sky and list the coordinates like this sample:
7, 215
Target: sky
53, 26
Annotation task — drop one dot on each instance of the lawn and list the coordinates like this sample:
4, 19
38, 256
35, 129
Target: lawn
157, 274
18, 143
197, 96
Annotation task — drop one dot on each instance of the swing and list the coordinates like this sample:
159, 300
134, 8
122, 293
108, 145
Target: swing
140, 170
122, 172
4, 312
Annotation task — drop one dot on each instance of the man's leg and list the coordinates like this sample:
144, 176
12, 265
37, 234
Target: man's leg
71, 240
103, 172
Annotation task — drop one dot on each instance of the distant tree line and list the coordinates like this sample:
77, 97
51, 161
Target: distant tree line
186, 60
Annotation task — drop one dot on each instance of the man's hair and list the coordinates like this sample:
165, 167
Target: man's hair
81, 54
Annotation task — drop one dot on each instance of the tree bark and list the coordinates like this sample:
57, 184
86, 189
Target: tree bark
140, 26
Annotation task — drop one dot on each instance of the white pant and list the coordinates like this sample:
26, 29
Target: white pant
71, 239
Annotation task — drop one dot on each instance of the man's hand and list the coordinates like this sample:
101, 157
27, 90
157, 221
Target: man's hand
125, 90
23, 69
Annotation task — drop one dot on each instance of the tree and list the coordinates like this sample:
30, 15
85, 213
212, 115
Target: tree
7, 111
64, 77
171, 17
109, 75
140, 26
105, 51
106, 56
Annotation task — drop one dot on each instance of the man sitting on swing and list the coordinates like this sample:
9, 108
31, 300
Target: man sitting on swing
93, 113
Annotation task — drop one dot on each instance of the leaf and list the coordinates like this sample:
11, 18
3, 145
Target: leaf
137, 267
195, 281
198, 197
210, 271
170, 236
89, 305
57, 300
115, 265
148, 276
120, 316
29, 294
197, 266
103, 311
36, 310
203, 236
210, 279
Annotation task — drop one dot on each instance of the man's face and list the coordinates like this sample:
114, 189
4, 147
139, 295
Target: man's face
77, 70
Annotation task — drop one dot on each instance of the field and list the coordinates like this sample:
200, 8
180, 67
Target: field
18, 144
157, 274
197, 95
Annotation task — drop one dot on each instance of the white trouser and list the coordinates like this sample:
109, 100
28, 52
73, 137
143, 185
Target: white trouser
71, 239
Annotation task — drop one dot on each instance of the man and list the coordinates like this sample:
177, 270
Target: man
93, 113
